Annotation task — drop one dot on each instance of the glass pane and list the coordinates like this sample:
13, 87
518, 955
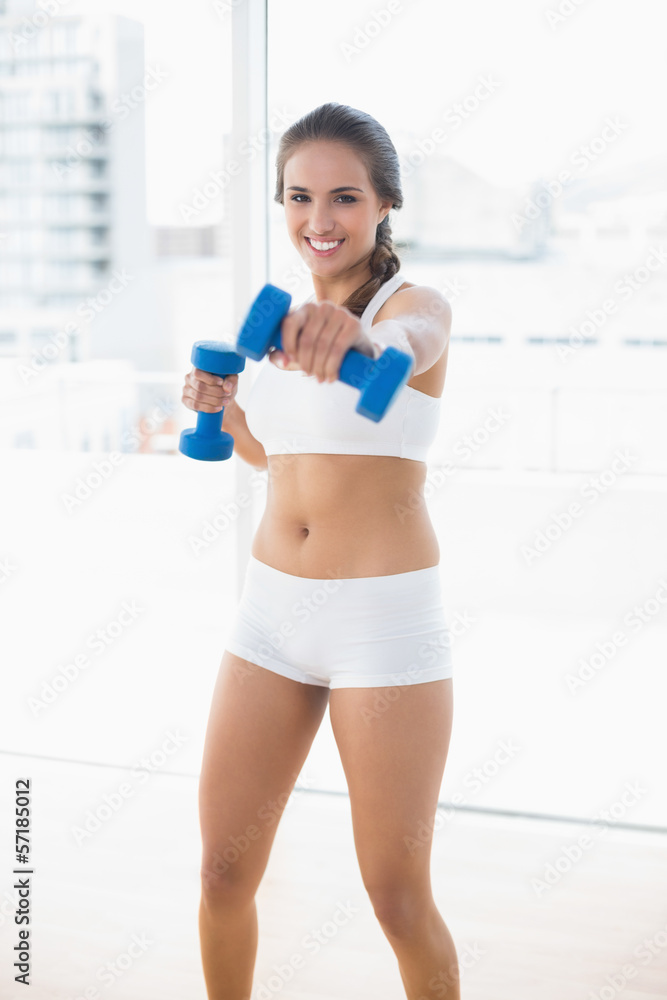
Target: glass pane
112, 245
112, 264
535, 200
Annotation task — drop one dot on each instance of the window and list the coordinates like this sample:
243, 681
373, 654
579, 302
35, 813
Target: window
58, 206
98, 202
16, 106
56, 137
97, 168
481, 137
19, 140
60, 103
584, 341
24, 439
61, 239
95, 100
65, 39
20, 171
41, 336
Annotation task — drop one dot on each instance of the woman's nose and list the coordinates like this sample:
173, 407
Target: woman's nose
321, 220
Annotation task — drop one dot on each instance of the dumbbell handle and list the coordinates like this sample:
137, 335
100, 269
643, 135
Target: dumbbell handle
356, 369
209, 424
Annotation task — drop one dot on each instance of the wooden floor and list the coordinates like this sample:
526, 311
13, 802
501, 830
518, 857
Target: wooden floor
137, 878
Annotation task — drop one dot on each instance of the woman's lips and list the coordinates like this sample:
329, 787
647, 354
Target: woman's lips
323, 253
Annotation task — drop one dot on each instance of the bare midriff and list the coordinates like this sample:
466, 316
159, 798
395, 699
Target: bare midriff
349, 515
345, 516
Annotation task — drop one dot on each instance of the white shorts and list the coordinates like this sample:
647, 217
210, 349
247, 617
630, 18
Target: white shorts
368, 631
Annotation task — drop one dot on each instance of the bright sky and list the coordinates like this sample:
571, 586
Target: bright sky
554, 85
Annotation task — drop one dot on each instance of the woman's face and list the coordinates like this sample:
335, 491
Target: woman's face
328, 198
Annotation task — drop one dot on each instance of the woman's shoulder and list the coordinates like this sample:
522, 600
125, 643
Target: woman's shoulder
408, 297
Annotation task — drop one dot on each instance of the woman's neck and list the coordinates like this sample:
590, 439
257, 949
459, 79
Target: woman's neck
339, 288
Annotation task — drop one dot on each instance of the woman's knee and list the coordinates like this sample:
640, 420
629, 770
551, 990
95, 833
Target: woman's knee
225, 881
401, 909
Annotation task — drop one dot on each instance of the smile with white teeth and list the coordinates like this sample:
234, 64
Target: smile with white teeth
324, 246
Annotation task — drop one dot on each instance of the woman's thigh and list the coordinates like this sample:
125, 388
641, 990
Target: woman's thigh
260, 728
393, 744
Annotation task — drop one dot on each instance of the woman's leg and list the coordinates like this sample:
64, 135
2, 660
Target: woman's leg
259, 732
394, 762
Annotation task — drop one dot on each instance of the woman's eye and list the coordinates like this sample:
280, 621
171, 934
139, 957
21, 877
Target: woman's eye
298, 197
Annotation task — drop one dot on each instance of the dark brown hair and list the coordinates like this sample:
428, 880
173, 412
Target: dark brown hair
339, 123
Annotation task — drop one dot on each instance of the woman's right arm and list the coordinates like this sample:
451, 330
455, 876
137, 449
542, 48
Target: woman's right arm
205, 392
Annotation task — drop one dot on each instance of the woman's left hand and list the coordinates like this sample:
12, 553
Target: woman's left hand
317, 336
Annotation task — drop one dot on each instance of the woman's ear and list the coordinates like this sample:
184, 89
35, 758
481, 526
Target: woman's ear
385, 209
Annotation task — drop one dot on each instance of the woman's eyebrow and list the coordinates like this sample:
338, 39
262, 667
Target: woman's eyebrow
335, 190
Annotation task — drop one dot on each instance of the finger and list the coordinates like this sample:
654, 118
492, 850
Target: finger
193, 403
197, 375
292, 326
227, 384
347, 334
316, 327
330, 348
207, 408
210, 378
289, 328
211, 393
215, 396
279, 359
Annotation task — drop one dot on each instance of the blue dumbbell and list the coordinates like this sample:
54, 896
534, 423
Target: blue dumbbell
207, 441
379, 380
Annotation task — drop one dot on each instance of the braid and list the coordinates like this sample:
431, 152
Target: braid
384, 264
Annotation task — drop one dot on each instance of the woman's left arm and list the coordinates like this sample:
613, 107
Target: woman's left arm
418, 321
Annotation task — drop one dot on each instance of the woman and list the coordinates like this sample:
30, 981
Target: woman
341, 602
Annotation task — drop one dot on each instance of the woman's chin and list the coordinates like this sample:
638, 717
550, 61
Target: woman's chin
316, 269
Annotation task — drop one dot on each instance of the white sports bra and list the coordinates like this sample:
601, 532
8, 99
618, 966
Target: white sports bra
291, 412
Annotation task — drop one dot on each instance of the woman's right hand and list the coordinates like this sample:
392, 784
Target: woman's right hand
208, 393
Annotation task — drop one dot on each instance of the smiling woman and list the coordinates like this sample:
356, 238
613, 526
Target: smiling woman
345, 533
